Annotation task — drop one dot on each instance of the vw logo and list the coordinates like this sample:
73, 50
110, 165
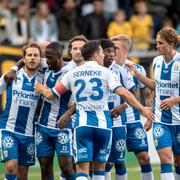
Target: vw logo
140, 134
63, 138
120, 145
158, 131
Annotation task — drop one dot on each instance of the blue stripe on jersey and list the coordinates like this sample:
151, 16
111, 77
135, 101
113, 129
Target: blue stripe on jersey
108, 119
20, 125
46, 109
28, 86
154, 67
92, 118
77, 118
136, 114
166, 116
111, 105
64, 101
5, 114
51, 81
166, 72
135, 82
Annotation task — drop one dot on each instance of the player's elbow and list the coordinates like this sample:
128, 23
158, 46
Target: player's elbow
122, 92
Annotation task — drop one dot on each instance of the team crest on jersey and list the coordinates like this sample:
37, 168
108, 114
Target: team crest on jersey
62, 138
8, 142
31, 149
139, 133
120, 145
39, 138
29, 83
178, 137
165, 71
158, 131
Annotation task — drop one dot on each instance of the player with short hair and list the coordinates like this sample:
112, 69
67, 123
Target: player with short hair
90, 84
49, 138
117, 106
17, 119
166, 83
136, 135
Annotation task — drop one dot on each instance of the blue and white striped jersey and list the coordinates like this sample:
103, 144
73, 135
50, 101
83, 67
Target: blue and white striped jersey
21, 102
52, 110
126, 79
71, 65
139, 84
140, 69
90, 84
167, 78
132, 114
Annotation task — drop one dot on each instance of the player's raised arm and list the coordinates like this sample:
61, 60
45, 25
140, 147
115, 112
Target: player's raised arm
147, 81
131, 100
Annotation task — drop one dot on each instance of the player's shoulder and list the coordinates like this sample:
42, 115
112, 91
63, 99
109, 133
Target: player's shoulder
177, 57
158, 59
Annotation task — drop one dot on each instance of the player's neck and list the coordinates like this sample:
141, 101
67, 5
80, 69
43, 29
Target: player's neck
79, 63
169, 56
30, 73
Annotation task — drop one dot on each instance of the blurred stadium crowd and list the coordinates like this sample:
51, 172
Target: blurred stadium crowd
22, 21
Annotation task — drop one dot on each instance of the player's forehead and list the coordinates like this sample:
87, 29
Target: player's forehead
117, 43
77, 44
160, 39
109, 49
32, 50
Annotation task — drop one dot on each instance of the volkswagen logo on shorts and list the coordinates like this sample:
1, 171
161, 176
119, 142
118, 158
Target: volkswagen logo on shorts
139, 133
8, 142
158, 131
63, 138
120, 145
31, 149
39, 138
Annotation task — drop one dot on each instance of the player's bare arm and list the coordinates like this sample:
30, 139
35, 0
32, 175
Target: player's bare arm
169, 102
131, 100
147, 81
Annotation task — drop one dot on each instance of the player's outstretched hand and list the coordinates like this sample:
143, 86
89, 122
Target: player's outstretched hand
10, 75
147, 112
131, 68
167, 103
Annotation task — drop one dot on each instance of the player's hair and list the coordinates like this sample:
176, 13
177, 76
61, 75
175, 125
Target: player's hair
89, 49
106, 43
124, 39
56, 47
31, 45
169, 35
75, 38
